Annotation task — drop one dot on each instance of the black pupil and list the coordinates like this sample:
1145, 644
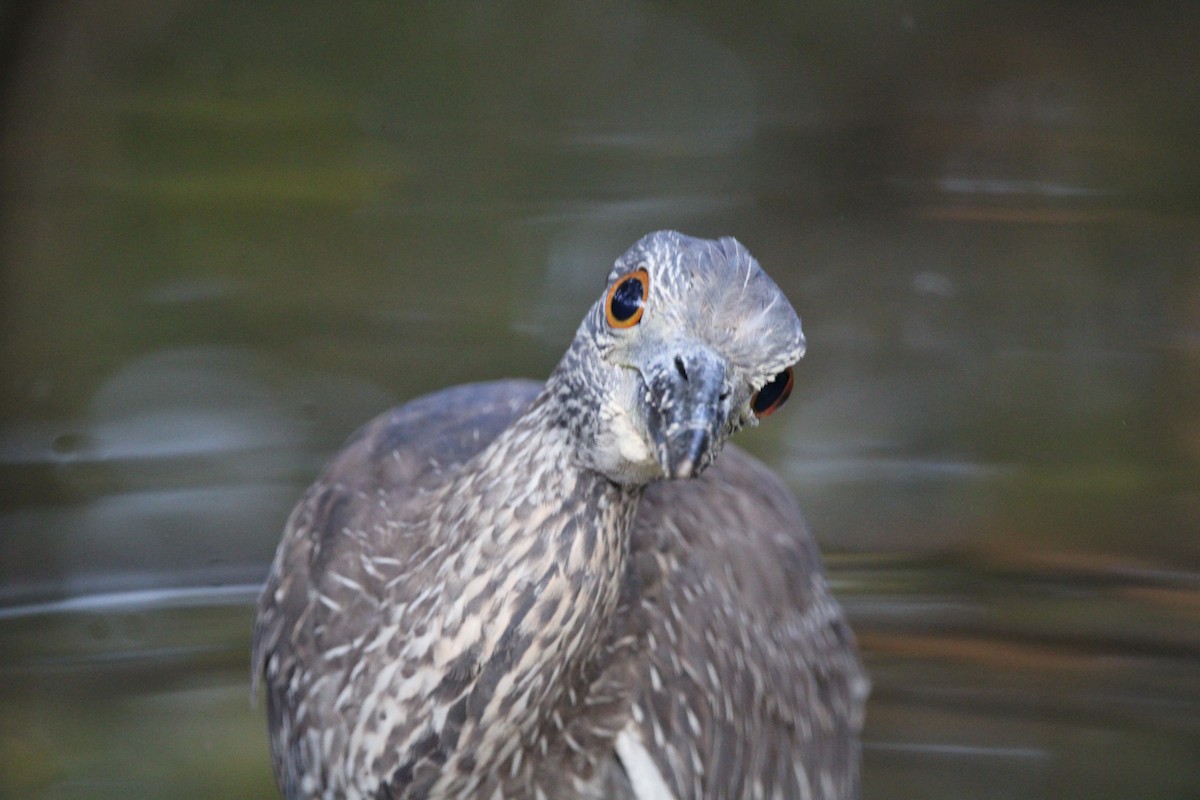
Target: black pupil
768, 395
627, 299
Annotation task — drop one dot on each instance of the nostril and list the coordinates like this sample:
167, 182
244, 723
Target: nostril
680, 368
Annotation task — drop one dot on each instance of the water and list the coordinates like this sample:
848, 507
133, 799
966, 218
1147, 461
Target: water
230, 233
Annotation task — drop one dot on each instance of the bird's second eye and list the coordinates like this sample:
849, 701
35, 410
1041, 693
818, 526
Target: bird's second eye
769, 398
627, 299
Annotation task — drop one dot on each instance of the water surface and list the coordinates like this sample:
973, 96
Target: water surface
230, 233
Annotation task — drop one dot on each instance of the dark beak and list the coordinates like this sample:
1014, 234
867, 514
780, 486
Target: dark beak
687, 411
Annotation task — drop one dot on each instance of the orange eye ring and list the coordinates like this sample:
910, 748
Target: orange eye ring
767, 400
626, 300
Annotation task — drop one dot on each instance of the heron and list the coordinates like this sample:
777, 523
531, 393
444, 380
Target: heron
558, 590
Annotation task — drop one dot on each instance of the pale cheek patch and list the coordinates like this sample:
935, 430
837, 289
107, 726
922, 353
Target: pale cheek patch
629, 443
621, 451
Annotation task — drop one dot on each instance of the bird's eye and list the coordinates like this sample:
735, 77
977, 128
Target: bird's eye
627, 299
768, 399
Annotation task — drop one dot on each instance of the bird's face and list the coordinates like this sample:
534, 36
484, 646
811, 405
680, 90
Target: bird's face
693, 341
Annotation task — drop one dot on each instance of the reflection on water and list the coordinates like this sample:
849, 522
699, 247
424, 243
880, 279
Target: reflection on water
1002, 679
988, 683
132, 694
231, 235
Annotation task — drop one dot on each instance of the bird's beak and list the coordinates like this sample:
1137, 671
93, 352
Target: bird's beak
687, 415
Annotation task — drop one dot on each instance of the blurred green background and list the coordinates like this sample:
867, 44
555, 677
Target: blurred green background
231, 232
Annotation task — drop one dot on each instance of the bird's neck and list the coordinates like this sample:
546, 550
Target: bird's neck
538, 573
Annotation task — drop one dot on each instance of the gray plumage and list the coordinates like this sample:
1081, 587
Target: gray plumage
491, 592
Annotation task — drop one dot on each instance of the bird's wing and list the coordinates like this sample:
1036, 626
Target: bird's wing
739, 662
319, 590
749, 676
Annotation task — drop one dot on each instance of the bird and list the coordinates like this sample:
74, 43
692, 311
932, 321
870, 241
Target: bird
572, 589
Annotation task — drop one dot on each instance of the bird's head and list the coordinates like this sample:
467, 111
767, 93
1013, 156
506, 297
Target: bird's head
689, 342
